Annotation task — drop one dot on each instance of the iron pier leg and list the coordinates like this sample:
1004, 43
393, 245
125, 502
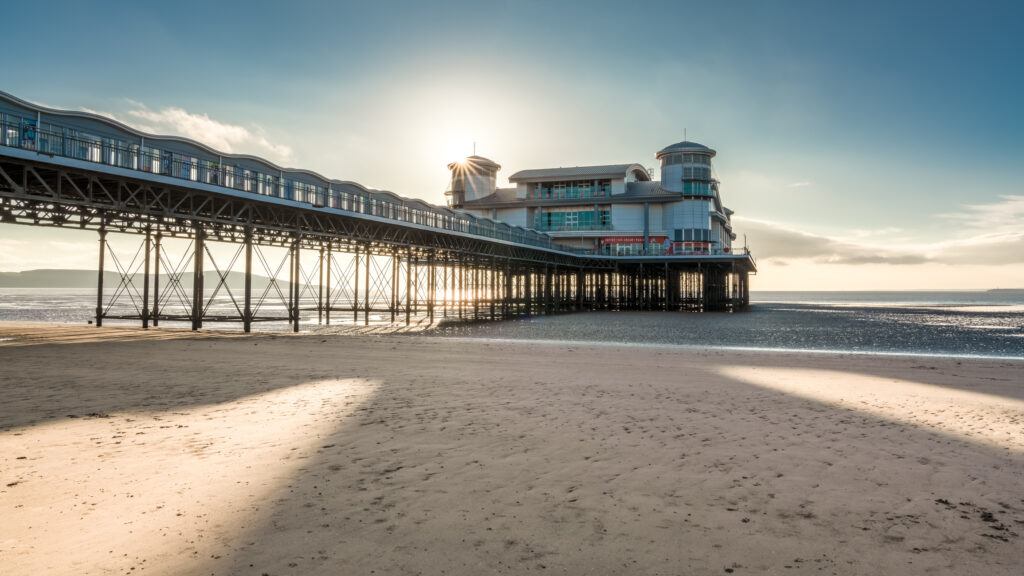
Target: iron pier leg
156, 281
145, 281
408, 285
475, 292
444, 287
665, 290
366, 292
415, 283
529, 292
291, 284
247, 311
494, 284
394, 284
547, 290
320, 288
197, 279
99, 281
461, 292
557, 289
355, 290
431, 287
508, 291
327, 310
298, 283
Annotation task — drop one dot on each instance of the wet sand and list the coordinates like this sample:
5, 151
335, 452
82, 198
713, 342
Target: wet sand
165, 452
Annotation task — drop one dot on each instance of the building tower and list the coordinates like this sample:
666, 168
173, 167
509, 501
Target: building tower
472, 179
686, 168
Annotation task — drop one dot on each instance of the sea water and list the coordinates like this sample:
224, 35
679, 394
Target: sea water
955, 323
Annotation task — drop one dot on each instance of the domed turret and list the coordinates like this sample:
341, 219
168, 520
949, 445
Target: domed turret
473, 178
686, 167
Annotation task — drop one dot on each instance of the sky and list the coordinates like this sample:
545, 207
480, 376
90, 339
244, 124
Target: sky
862, 145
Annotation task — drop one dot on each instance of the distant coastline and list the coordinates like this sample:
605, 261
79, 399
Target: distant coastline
68, 278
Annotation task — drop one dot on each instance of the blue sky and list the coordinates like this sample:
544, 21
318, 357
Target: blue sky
862, 145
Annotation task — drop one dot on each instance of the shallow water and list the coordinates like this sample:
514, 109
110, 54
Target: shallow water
996, 332
947, 323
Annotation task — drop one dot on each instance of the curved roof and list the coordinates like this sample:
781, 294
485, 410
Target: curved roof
685, 146
580, 172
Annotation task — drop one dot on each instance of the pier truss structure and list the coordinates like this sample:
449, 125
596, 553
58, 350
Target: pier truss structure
322, 249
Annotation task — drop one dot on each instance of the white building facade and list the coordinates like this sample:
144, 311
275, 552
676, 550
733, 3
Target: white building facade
616, 210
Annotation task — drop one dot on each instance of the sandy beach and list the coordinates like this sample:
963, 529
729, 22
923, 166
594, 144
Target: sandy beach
125, 451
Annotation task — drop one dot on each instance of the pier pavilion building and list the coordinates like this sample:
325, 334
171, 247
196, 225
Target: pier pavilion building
614, 210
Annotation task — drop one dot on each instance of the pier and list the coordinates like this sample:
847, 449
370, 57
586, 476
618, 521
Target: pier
329, 247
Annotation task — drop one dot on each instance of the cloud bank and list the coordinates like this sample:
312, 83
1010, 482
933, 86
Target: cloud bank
990, 233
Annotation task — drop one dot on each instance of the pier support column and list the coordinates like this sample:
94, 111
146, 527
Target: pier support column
431, 287
474, 288
320, 287
156, 280
145, 280
445, 265
556, 289
529, 291
408, 285
99, 281
549, 287
327, 309
394, 283
355, 289
247, 310
581, 286
366, 290
291, 283
508, 291
298, 283
665, 290
641, 287
494, 284
461, 293
198, 298
415, 263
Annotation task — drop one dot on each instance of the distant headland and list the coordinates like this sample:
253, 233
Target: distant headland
69, 278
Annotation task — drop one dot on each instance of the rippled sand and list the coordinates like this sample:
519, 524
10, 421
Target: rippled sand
171, 453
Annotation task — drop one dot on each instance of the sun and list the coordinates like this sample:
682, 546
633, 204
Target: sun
455, 149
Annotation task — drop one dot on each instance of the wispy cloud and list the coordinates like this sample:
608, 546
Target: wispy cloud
801, 184
988, 234
777, 242
1005, 215
230, 138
